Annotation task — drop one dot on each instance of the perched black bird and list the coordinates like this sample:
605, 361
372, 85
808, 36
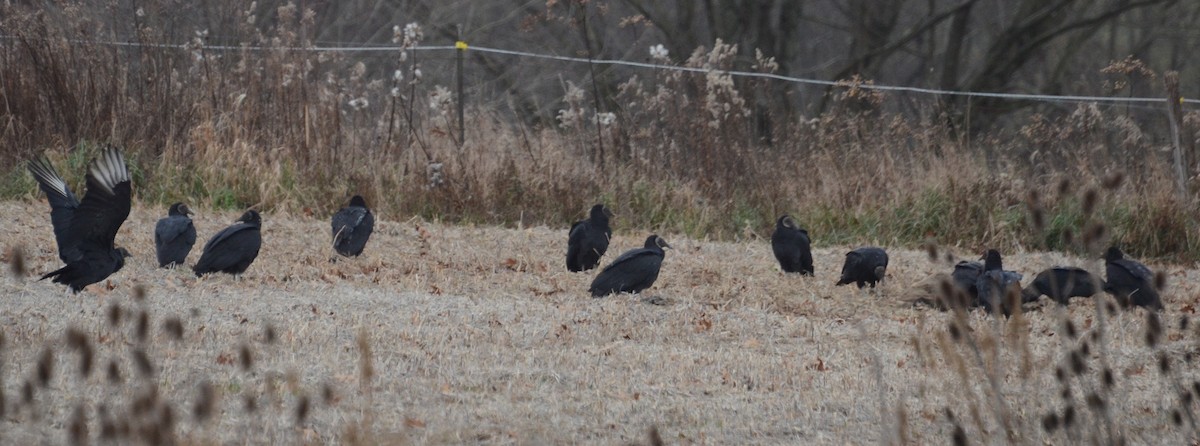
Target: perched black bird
86, 233
633, 271
234, 248
352, 226
174, 236
1062, 283
791, 245
588, 240
1130, 281
864, 265
62, 205
998, 289
965, 275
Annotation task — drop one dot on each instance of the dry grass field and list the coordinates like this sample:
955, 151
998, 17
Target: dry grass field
460, 334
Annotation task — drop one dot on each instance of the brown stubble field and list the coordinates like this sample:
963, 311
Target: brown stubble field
479, 335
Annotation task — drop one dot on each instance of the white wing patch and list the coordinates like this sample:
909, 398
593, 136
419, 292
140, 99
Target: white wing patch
109, 169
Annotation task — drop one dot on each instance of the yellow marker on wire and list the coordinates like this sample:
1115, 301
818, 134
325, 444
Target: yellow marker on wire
460, 45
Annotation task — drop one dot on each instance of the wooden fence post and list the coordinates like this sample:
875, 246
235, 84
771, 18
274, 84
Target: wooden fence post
1175, 116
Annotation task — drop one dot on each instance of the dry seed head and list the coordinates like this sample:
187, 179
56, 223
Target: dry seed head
1070, 328
1090, 198
955, 332
16, 265
1060, 374
269, 334
302, 407
1068, 236
1113, 180
1160, 281
1176, 417
960, 435
1064, 187
931, 248
75, 338
327, 395
1196, 387
27, 393
1085, 348
1094, 401
247, 357
1065, 394
45, 368
1078, 366
114, 314
87, 357
249, 403
1094, 235
174, 328
166, 417
366, 369
205, 403
1164, 364
139, 293
1153, 329
143, 326
1037, 218
1183, 322
655, 438
142, 361
1050, 422
1108, 378
78, 427
1068, 417
113, 372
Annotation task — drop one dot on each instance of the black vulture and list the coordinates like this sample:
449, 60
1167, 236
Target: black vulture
864, 265
965, 276
588, 240
998, 289
352, 226
174, 236
791, 245
1130, 281
633, 271
1062, 283
91, 227
62, 204
234, 248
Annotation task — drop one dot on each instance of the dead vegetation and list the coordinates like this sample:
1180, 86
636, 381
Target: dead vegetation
478, 334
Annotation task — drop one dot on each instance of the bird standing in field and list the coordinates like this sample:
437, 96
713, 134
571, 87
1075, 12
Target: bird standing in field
1130, 281
174, 236
965, 276
1062, 283
791, 245
352, 226
866, 265
998, 289
234, 248
86, 231
633, 271
588, 240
